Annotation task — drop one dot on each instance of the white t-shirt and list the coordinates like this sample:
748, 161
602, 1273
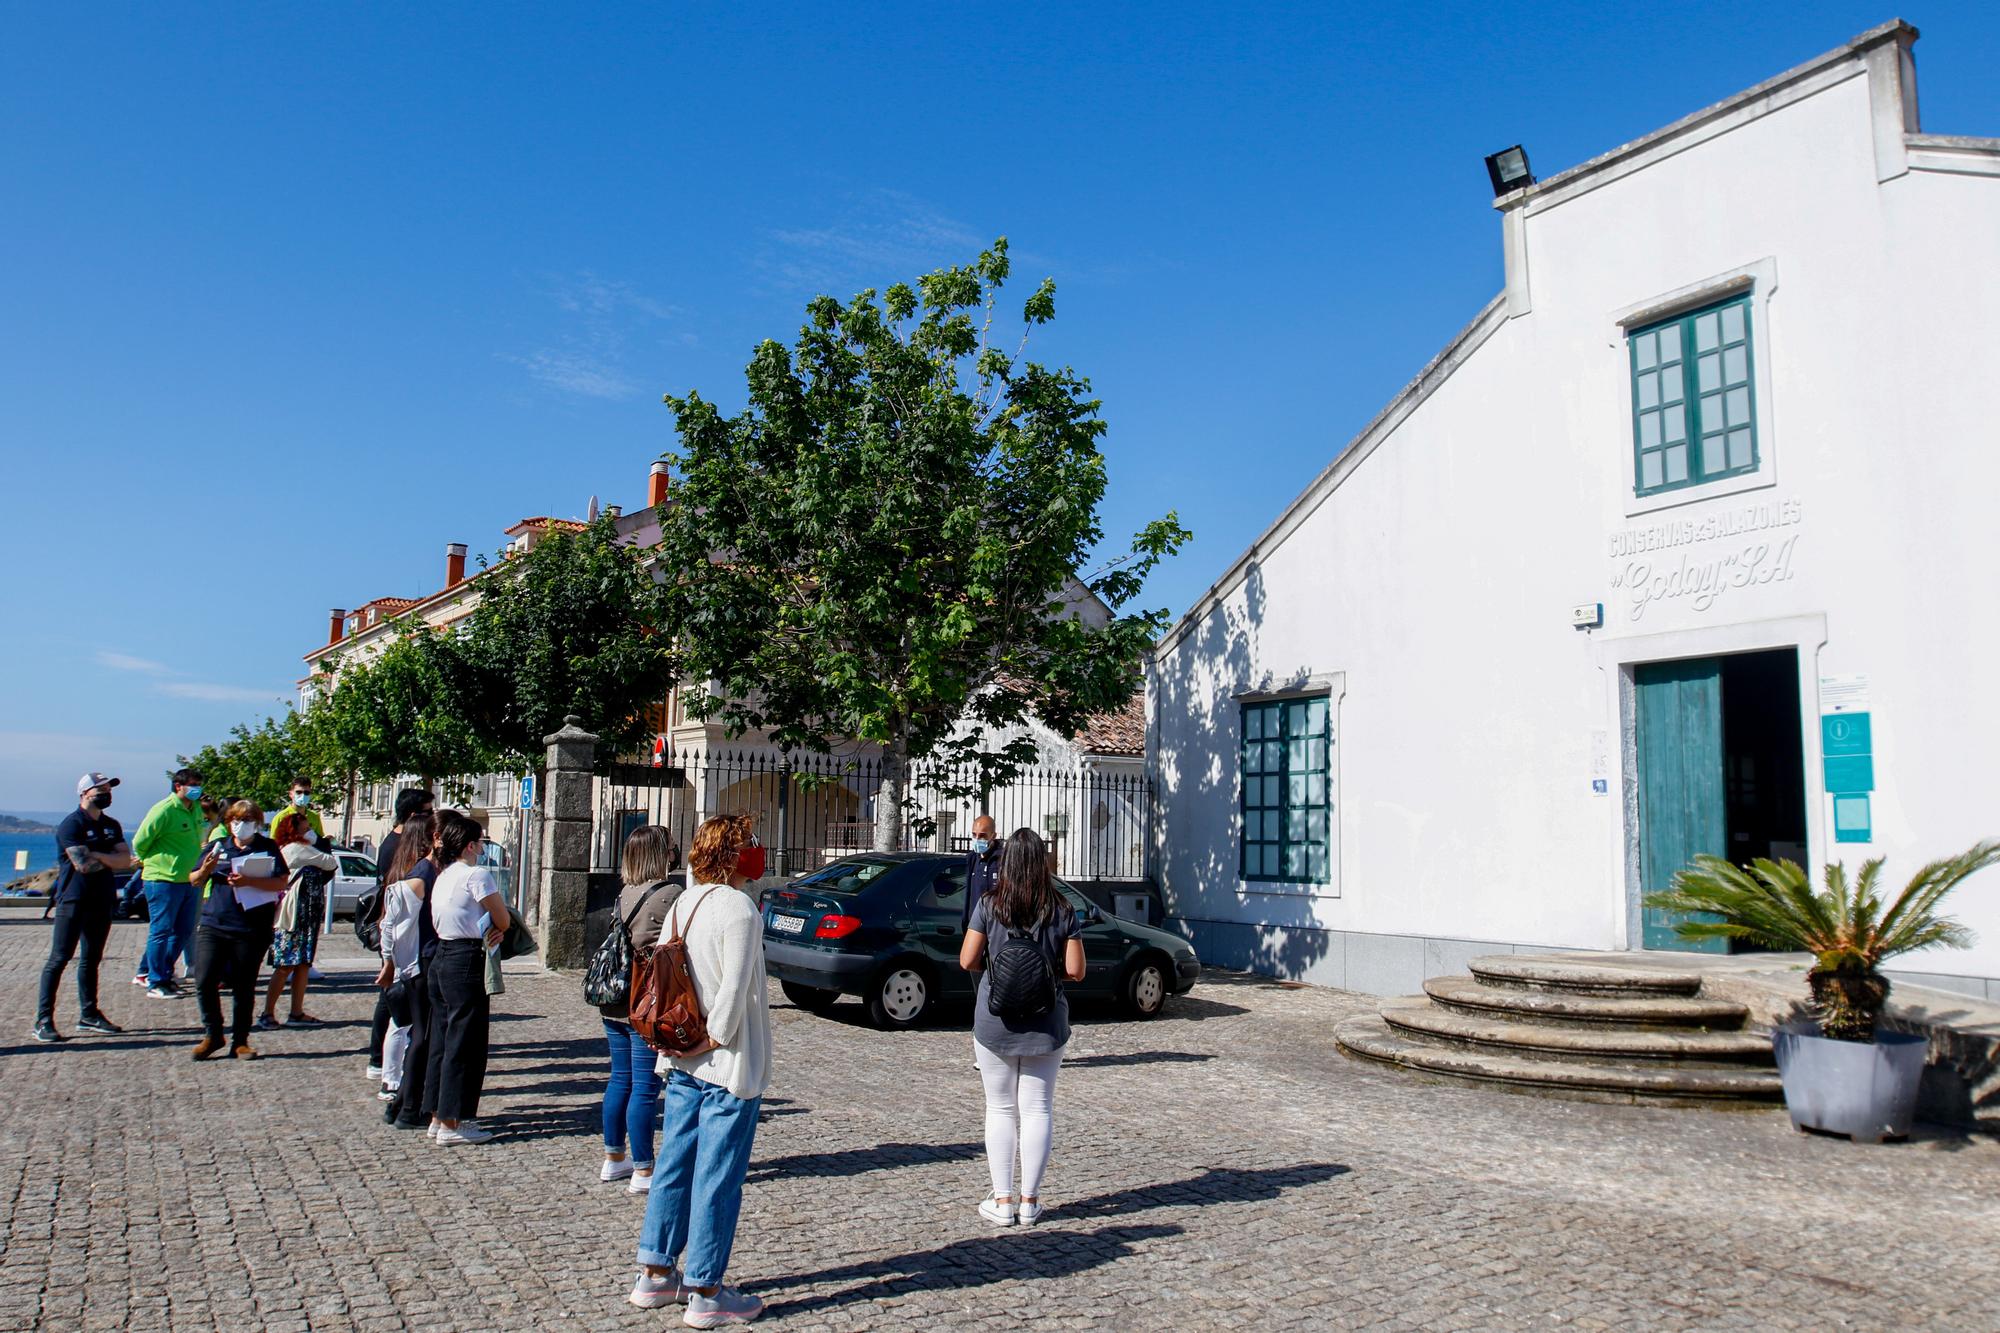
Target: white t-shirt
455, 909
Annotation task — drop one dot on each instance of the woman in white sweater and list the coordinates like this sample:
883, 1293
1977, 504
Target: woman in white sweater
712, 1099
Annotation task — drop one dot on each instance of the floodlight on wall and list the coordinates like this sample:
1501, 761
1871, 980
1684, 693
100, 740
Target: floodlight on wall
1509, 170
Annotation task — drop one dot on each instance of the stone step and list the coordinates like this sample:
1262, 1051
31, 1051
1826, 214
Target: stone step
1529, 972
1416, 1016
1370, 1037
1516, 1005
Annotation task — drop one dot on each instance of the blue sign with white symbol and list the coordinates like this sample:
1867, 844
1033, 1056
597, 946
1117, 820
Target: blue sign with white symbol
528, 792
1846, 733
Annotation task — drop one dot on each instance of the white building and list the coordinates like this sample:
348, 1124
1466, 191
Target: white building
1738, 390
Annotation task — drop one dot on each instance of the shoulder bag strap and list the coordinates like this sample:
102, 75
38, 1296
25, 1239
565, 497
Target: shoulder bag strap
680, 931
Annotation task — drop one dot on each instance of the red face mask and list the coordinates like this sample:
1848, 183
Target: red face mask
750, 861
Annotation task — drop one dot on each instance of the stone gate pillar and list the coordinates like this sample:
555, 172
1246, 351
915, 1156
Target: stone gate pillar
567, 809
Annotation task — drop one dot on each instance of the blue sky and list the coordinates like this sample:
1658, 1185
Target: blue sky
296, 295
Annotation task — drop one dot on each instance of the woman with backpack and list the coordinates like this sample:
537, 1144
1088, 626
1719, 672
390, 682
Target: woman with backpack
632, 1097
1023, 942
295, 941
712, 1094
408, 943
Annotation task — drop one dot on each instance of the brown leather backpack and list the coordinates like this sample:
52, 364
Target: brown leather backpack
666, 1010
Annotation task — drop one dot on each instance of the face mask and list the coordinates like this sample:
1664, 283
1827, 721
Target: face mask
244, 830
101, 800
190, 793
981, 846
303, 800
750, 862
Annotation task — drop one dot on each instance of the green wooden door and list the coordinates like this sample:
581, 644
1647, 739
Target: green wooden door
1681, 807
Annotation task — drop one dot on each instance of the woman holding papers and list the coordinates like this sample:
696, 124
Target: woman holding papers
241, 878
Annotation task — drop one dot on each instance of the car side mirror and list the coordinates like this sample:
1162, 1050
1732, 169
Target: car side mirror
1093, 915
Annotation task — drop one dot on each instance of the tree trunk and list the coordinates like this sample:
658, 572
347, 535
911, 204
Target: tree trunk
347, 818
1848, 1001
889, 798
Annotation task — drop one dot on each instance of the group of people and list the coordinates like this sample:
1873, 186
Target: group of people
249, 896
710, 1100
223, 897
441, 916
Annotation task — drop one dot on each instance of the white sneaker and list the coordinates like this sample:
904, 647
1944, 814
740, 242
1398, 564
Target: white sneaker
641, 1183
139, 980
468, 1131
999, 1214
387, 1094
614, 1170
1030, 1213
375, 1071
652, 1293
162, 993
432, 1130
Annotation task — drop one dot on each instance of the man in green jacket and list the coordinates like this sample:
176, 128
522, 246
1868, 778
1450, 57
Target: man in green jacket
168, 845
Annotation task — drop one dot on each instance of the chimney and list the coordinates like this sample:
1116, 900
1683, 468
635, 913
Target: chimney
614, 511
336, 623
656, 485
454, 564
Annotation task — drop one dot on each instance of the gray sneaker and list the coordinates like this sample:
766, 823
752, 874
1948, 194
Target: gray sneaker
727, 1306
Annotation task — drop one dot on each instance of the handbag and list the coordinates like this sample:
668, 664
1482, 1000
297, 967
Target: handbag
666, 1008
607, 980
368, 919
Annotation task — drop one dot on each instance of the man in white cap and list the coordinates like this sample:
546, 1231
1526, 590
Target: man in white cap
93, 850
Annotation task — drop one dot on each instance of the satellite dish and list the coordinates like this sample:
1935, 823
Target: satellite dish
591, 517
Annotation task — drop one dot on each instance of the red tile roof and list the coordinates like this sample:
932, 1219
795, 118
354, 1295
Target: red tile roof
1120, 731
544, 522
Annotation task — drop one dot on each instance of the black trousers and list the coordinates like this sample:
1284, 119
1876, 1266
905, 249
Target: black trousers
379, 1033
459, 1015
87, 924
409, 1104
232, 959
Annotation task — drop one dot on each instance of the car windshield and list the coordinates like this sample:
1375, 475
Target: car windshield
849, 875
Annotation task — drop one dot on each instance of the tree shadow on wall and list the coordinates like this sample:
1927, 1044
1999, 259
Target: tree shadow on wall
1194, 762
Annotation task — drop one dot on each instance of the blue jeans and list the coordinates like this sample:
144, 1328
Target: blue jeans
632, 1098
172, 911
698, 1180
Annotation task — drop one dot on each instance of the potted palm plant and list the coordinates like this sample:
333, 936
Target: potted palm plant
1840, 1072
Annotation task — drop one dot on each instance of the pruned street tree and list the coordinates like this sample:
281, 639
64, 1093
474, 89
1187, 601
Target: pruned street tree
577, 625
885, 543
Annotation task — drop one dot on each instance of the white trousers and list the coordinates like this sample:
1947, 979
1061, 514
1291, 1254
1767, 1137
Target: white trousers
1020, 1116
395, 1047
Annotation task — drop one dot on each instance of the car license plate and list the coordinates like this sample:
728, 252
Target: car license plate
789, 925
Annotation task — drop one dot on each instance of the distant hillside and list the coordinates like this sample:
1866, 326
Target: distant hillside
9, 824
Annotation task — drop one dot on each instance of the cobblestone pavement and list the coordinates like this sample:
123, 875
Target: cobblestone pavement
1221, 1167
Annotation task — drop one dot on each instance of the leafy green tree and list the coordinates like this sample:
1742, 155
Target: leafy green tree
578, 624
253, 763
389, 716
885, 542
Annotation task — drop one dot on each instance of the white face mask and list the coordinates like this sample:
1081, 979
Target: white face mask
244, 830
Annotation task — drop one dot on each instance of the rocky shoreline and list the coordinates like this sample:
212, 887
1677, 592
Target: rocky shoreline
36, 885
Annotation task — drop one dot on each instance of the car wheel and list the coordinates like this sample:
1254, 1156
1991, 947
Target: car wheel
809, 998
1146, 988
900, 996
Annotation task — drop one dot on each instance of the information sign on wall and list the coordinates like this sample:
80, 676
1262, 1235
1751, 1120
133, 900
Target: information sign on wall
1847, 754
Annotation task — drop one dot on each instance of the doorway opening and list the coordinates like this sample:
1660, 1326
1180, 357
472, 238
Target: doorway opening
1721, 770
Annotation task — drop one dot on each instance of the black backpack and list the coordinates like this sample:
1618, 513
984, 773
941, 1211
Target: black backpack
607, 981
1021, 983
368, 919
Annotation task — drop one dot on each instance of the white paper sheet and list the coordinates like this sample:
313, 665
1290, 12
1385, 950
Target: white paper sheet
248, 898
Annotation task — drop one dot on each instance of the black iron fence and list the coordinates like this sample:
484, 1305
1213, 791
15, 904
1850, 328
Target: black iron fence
814, 809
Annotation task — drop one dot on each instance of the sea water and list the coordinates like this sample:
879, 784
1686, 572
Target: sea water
40, 847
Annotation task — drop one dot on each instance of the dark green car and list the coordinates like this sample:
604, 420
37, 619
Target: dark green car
885, 926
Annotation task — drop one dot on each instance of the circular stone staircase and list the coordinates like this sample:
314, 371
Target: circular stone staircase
1574, 1030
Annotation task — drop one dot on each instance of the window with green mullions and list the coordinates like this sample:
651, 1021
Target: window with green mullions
1286, 788
1692, 398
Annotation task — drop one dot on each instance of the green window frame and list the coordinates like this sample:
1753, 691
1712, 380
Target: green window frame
1694, 398
1285, 790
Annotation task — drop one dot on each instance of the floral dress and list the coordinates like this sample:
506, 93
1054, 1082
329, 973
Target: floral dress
303, 908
